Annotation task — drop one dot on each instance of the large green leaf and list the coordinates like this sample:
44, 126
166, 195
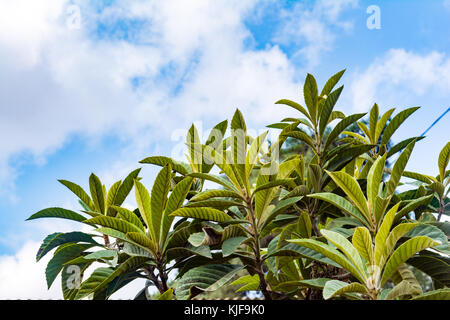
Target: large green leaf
399, 167
63, 254
97, 193
330, 253
328, 108
125, 187
56, 212
208, 194
342, 204
403, 253
346, 247
435, 265
294, 105
56, 239
204, 279
144, 204
334, 288
214, 178
395, 123
231, 244
203, 213
331, 82
352, 189
158, 200
110, 198
382, 235
310, 94
373, 183
441, 294
175, 201
252, 154
129, 216
341, 126
164, 161
362, 241
114, 223
444, 157
101, 277
79, 192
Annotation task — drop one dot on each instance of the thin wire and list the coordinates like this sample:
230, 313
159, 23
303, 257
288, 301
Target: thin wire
448, 109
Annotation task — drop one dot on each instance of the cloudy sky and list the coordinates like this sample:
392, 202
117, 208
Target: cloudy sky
95, 86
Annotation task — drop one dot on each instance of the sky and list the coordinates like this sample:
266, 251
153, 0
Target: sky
96, 86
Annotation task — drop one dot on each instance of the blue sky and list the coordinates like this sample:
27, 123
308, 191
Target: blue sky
99, 89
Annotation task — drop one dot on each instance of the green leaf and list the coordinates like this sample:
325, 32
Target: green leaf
341, 126
441, 294
342, 204
328, 108
373, 183
164, 161
166, 295
443, 159
102, 254
126, 187
382, 235
103, 276
330, 253
273, 184
403, 253
346, 247
252, 154
62, 255
335, 288
373, 119
129, 216
310, 93
399, 167
57, 213
318, 283
382, 122
175, 201
110, 198
401, 145
433, 264
204, 279
304, 225
56, 239
352, 189
144, 204
202, 213
114, 223
362, 241
404, 288
280, 207
97, 194
96, 278
231, 244
217, 179
395, 123
329, 85
412, 205
79, 192
300, 135
294, 105
158, 200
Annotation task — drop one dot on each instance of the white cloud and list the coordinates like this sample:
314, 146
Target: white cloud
313, 29
21, 277
400, 73
58, 81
